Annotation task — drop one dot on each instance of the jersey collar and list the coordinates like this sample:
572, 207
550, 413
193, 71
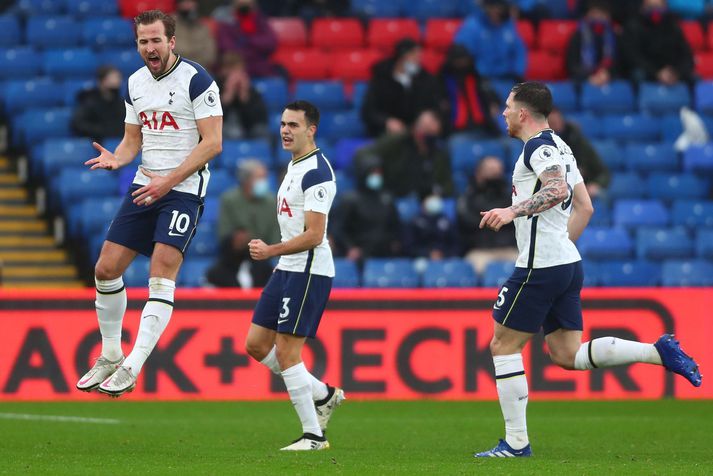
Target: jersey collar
546, 129
306, 156
170, 70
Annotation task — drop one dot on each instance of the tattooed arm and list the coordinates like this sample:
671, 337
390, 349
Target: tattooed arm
552, 192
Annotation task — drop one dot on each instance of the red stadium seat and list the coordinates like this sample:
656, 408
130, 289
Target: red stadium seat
354, 65
304, 63
545, 66
704, 64
336, 33
554, 34
693, 31
440, 32
290, 31
709, 38
131, 8
432, 60
527, 32
384, 33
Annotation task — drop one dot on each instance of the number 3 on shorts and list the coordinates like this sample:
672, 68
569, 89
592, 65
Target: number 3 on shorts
501, 298
285, 310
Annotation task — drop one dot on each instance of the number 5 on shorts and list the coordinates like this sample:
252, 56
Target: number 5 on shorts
501, 298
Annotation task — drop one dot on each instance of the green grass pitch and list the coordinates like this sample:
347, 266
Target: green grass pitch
422, 437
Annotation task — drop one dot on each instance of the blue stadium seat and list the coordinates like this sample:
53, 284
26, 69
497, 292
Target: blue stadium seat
338, 124
345, 182
95, 215
502, 88
422, 10
346, 274
114, 32
23, 94
274, 92
450, 273
377, 8
137, 275
671, 127
52, 32
10, 31
20, 62
704, 243
70, 63
663, 243
687, 273
692, 213
626, 185
86, 8
344, 152
632, 127
72, 87
125, 60
590, 124
611, 153
327, 95
390, 273
655, 98
467, 152
615, 97
74, 184
592, 273
605, 243
677, 186
649, 157
220, 181
211, 209
629, 273
698, 158
57, 154
358, 92
205, 242
36, 125
602, 214
40, 7
408, 207
497, 272
635, 213
704, 96
564, 96
235, 150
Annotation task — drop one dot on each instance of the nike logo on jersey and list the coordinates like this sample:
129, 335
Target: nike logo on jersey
136, 99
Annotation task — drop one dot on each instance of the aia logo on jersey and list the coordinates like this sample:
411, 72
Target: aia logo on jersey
167, 120
284, 208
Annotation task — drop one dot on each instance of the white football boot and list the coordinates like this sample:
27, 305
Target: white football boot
308, 442
325, 408
102, 369
118, 384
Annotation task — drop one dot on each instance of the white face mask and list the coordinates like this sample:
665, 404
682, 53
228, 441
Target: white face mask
433, 205
411, 67
261, 187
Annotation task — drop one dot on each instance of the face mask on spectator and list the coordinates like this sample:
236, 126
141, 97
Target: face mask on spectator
433, 205
656, 14
411, 67
374, 181
261, 188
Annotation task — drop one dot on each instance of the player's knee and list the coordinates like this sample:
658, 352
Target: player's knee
256, 349
563, 358
104, 270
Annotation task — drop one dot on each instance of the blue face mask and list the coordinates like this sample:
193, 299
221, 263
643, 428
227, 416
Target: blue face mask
261, 187
375, 181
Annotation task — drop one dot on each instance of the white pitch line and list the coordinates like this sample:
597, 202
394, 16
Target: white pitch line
67, 419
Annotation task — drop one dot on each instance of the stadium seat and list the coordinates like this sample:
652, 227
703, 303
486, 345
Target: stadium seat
670, 127
70, 63
87, 8
422, 10
57, 154
466, 152
605, 243
703, 94
629, 273
610, 152
449, 273
663, 243
432, 60
615, 97
74, 184
589, 123
108, 33
632, 127
687, 273
354, 65
676, 186
236, 150
71, 88
327, 95
377, 8
205, 241
291, 31
36, 125
527, 32
544, 65
53, 32
602, 214
626, 185
553, 35
10, 31
125, 60
564, 96
650, 157
693, 31
344, 151
656, 98
193, 271
274, 92
20, 95
340, 124
137, 274
345, 182
408, 207
211, 209
703, 61
19, 63
502, 88
220, 181
346, 274
698, 158
692, 213
592, 276
337, 33
358, 92
636, 213
440, 32
384, 33
96, 215
704, 243
39, 7
390, 273
497, 272
304, 63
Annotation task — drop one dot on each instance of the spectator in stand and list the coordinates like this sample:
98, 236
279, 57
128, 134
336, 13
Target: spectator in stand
594, 172
197, 42
243, 29
244, 110
468, 103
246, 212
311, 9
655, 48
414, 161
488, 189
366, 223
398, 91
494, 42
100, 111
432, 234
593, 52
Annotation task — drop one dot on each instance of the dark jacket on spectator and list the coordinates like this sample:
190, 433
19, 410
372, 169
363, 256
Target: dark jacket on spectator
97, 116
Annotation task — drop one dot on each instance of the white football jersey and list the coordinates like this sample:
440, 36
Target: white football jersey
309, 185
167, 108
542, 239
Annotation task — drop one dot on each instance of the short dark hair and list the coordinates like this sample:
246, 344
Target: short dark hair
310, 110
104, 70
535, 95
152, 16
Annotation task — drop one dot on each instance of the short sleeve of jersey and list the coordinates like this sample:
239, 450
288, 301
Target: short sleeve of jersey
131, 117
205, 95
319, 197
540, 154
